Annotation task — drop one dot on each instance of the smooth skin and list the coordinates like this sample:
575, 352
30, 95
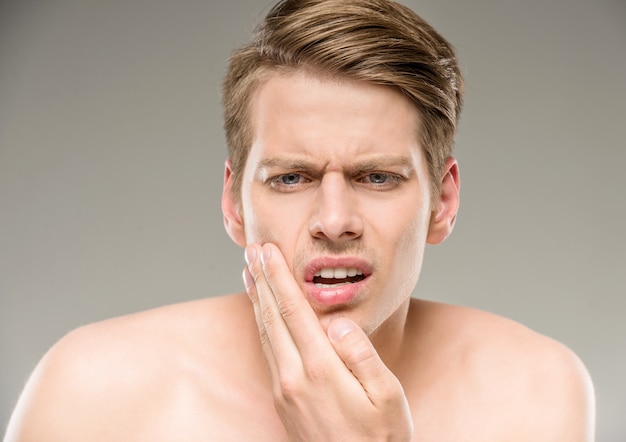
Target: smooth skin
335, 175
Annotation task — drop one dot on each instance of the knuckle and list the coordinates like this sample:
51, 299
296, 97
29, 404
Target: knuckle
286, 307
389, 392
316, 372
359, 353
290, 387
268, 315
263, 336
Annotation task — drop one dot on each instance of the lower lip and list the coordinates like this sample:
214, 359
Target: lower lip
343, 294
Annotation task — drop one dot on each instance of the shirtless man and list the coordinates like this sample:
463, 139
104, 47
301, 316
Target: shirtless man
340, 118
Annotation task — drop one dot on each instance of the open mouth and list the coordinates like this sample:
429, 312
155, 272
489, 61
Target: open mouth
337, 276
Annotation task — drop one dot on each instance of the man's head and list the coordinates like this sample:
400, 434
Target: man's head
376, 41
337, 117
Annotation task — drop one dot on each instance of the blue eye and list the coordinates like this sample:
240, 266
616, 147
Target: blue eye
288, 182
378, 178
290, 179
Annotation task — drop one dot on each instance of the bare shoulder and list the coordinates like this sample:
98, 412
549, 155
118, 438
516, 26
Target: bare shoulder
537, 387
119, 374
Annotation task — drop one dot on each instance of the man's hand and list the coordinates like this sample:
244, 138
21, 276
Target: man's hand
327, 386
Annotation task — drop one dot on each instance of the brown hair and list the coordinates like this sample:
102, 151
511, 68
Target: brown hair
378, 41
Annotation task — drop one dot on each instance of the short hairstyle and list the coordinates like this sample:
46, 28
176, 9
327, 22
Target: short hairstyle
378, 41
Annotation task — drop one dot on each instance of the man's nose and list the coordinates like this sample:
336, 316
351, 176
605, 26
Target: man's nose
335, 215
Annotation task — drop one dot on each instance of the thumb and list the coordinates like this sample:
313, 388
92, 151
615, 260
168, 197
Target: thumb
360, 357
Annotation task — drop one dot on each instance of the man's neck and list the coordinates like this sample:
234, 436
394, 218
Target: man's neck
389, 338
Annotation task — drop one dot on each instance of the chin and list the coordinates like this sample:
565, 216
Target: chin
327, 316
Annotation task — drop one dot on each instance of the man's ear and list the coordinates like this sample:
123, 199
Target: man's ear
443, 216
231, 208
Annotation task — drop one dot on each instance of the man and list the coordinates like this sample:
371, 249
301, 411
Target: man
340, 118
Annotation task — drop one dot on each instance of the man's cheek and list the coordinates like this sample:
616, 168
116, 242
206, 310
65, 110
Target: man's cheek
274, 227
285, 246
258, 230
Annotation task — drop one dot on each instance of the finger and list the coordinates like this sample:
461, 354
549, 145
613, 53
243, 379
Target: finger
277, 342
360, 357
296, 312
253, 295
251, 290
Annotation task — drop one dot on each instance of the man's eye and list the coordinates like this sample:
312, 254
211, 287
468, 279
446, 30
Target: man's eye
378, 178
287, 182
381, 180
289, 179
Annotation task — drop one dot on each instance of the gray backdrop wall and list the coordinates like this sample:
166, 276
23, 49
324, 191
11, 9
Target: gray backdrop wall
111, 160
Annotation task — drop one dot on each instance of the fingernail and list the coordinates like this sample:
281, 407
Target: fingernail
266, 254
248, 281
250, 254
340, 327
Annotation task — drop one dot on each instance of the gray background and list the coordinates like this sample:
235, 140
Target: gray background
111, 160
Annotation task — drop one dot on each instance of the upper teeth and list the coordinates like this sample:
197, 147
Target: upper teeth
338, 272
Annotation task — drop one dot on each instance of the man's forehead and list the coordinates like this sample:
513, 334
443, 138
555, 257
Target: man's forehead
333, 121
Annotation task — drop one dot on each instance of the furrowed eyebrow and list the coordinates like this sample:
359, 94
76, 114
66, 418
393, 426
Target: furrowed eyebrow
285, 163
266, 165
354, 168
384, 162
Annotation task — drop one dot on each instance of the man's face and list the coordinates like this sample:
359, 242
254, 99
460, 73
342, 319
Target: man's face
337, 180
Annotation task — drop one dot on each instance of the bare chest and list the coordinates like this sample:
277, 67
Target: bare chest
235, 410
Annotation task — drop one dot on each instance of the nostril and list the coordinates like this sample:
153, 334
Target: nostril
334, 232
